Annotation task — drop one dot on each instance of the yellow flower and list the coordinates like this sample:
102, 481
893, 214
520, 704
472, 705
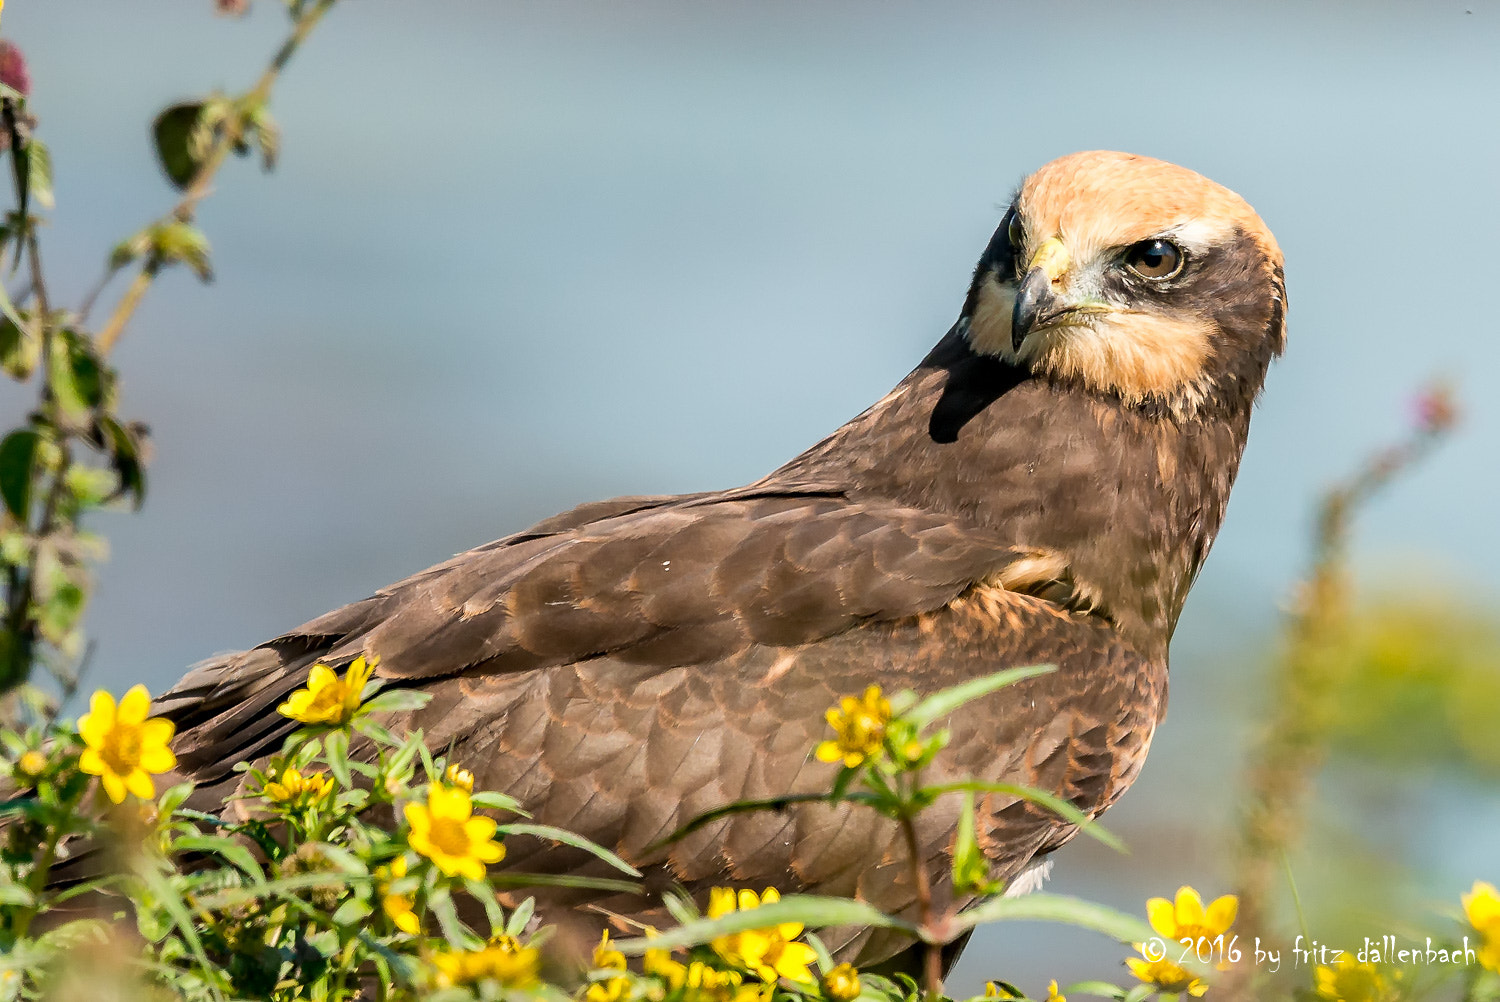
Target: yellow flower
502, 960
456, 775
768, 953
31, 764
606, 958
294, 789
1188, 919
1052, 995
397, 907
1482, 906
859, 728
1354, 982
446, 832
995, 990
329, 699
698, 982
842, 983
123, 748
1166, 976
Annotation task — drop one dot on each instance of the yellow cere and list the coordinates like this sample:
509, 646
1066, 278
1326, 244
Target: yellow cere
1052, 258
329, 699
446, 831
122, 747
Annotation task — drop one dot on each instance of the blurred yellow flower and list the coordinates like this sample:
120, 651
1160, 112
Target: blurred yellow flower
294, 789
768, 953
1166, 976
606, 958
502, 960
842, 983
858, 726
31, 764
995, 990
123, 748
399, 908
1350, 981
1188, 919
1052, 995
1482, 906
698, 982
329, 699
446, 832
457, 775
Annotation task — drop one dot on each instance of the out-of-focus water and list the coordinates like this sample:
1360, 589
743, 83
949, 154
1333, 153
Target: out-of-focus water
519, 256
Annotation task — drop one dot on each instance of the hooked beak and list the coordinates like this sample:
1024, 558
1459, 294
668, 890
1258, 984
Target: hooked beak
1036, 301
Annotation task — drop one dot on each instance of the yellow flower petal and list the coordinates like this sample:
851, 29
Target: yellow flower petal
94, 725
114, 786
135, 706
138, 782
158, 759
1222, 913
1189, 908
91, 763
1162, 918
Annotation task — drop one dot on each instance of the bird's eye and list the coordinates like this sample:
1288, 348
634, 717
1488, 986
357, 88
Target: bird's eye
1017, 231
1154, 259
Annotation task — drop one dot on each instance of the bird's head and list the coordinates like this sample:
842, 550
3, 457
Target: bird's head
1132, 278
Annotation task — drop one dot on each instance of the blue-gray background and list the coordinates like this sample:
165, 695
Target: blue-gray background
519, 256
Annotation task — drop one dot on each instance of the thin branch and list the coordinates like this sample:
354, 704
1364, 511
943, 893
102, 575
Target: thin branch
228, 137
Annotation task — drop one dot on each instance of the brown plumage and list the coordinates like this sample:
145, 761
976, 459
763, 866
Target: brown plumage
1043, 488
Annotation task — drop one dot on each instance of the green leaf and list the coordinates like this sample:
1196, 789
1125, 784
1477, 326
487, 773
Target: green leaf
336, 746
520, 916
810, 910
568, 838
1100, 989
126, 447
177, 149
75, 934
1043, 907
16, 895
351, 912
20, 349
971, 870
17, 465
496, 801
440, 903
81, 382
1042, 798
398, 701
515, 878
220, 845
485, 895
942, 703
39, 172
182, 243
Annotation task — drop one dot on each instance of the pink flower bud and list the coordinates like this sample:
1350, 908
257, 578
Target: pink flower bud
13, 71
